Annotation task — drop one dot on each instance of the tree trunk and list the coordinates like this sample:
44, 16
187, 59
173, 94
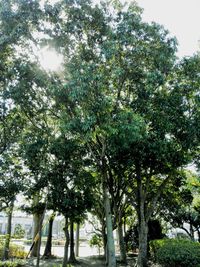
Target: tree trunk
111, 260
191, 232
104, 238
40, 238
47, 251
121, 242
77, 239
142, 219
198, 232
8, 232
124, 225
72, 254
66, 230
36, 225
143, 232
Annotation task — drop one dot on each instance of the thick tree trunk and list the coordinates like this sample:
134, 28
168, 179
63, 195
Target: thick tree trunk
66, 230
39, 239
111, 259
77, 239
72, 254
8, 233
47, 251
143, 232
36, 225
122, 247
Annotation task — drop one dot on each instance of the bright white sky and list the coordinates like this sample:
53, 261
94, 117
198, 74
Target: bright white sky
50, 60
180, 17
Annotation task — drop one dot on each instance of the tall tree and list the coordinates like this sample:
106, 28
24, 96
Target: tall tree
11, 184
124, 87
70, 186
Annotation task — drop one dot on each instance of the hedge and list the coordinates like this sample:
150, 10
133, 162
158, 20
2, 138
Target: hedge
175, 252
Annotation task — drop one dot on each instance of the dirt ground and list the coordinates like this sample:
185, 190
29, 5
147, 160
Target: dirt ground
93, 261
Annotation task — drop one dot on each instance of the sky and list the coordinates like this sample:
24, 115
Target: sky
180, 17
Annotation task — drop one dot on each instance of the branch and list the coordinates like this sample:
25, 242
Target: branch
185, 229
155, 199
95, 228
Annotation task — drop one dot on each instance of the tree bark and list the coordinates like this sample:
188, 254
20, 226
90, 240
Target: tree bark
143, 232
40, 238
143, 221
8, 232
47, 251
110, 245
198, 232
66, 230
121, 242
104, 238
111, 259
72, 254
36, 224
124, 225
77, 239
191, 232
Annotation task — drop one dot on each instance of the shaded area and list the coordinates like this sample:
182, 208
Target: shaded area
93, 261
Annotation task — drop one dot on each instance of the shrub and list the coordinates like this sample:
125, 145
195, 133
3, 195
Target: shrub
2, 240
15, 251
12, 263
96, 241
155, 245
19, 232
176, 252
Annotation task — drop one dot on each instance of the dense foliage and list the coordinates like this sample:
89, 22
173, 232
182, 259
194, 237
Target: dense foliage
172, 252
112, 129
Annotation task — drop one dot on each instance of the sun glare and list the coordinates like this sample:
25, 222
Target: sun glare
50, 59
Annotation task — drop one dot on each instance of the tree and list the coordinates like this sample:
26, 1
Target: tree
18, 19
184, 206
70, 186
123, 103
47, 250
20, 106
11, 184
125, 88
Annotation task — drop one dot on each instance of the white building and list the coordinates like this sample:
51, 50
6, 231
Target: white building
25, 221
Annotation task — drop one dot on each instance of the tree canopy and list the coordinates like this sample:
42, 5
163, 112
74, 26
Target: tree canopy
122, 113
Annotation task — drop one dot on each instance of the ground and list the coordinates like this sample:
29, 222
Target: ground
92, 261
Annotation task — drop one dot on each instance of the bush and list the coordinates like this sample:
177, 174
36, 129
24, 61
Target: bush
155, 245
12, 263
176, 252
96, 241
19, 232
15, 251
